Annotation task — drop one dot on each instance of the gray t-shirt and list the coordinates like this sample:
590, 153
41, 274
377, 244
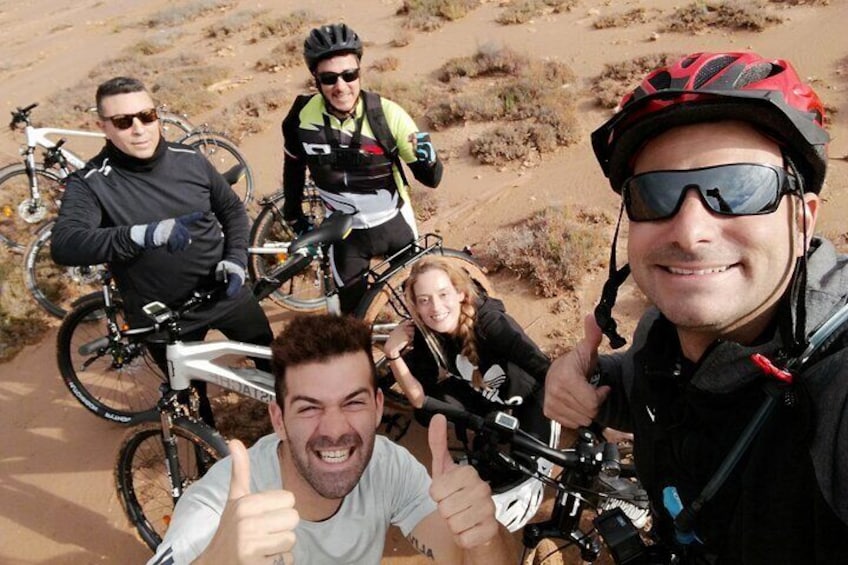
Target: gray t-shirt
394, 489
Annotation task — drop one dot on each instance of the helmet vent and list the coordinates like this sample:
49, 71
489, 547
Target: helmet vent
754, 73
661, 80
711, 69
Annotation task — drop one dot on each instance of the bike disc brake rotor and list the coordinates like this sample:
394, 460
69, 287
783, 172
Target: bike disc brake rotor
31, 213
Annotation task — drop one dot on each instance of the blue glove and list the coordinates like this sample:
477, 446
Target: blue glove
424, 149
232, 274
173, 232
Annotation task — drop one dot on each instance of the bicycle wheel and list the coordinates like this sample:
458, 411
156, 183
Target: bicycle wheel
174, 126
224, 154
144, 479
56, 288
304, 292
383, 309
19, 221
112, 376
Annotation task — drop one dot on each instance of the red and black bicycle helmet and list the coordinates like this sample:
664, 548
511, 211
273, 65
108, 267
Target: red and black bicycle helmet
705, 87
329, 41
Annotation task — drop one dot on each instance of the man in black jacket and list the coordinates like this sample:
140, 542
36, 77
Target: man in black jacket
720, 158
163, 218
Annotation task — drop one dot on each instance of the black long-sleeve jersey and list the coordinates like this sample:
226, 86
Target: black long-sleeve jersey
115, 191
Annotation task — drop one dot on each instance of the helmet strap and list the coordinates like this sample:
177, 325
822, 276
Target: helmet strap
796, 341
616, 277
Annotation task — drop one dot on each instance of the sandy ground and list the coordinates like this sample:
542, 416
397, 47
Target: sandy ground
57, 497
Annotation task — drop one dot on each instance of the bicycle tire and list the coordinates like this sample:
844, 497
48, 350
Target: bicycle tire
223, 154
174, 126
118, 382
304, 292
382, 309
56, 288
141, 472
15, 231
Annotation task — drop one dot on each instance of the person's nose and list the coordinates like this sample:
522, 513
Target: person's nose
334, 423
694, 223
137, 125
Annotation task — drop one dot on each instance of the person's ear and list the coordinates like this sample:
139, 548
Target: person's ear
806, 214
276, 414
378, 400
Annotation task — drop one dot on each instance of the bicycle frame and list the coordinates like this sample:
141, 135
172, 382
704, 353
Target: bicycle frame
38, 137
189, 361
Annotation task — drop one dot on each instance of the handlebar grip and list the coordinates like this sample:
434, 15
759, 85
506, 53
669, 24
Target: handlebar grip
26, 109
453, 413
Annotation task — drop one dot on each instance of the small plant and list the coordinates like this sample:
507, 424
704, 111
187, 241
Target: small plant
250, 114
701, 16
553, 249
232, 24
402, 39
180, 13
634, 16
286, 55
161, 41
291, 24
21, 323
429, 15
385, 64
525, 10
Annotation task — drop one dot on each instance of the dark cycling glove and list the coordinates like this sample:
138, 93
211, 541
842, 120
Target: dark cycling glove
232, 274
173, 232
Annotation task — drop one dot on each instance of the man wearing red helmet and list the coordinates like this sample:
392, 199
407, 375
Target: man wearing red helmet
719, 159
352, 143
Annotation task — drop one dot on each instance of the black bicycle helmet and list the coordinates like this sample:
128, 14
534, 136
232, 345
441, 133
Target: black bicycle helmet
703, 87
328, 41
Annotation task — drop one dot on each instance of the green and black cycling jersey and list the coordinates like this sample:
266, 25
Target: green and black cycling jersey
350, 167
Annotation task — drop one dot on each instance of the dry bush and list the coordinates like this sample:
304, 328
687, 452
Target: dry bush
491, 59
286, 55
413, 96
233, 23
284, 26
249, 115
385, 64
21, 323
553, 249
700, 16
429, 15
402, 39
182, 12
634, 16
802, 2
161, 41
618, 79
525, 10
531, 94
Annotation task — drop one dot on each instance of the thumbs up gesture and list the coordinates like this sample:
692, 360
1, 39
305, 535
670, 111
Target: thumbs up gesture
254, 527
464, 499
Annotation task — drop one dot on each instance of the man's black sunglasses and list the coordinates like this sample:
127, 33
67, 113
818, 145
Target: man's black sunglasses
125, 121
329, 79
740, 189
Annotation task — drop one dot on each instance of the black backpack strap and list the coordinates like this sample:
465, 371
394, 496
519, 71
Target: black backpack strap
377, 120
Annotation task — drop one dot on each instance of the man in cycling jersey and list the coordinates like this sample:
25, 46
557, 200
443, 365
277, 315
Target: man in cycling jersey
335, 137
165, 221
720, 158
324, 487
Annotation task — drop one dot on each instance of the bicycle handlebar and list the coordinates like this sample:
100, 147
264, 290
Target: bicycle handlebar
21, 115
593, 455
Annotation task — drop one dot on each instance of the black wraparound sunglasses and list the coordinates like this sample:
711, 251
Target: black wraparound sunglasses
739, 189
125, 121
329, 79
